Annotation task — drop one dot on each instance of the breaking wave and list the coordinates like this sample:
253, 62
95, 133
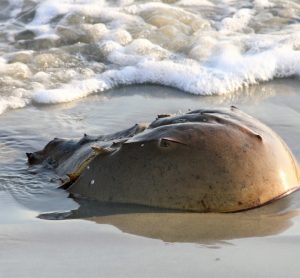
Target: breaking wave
60, 50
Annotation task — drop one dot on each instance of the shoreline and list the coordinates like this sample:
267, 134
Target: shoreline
99, 242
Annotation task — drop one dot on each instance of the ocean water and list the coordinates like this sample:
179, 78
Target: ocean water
59, 50
69, 67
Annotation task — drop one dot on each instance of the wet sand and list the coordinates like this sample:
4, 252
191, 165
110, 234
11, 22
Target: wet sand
84, 249
97, 240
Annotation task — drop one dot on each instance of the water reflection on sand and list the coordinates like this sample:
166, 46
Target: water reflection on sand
95, 116
177, 226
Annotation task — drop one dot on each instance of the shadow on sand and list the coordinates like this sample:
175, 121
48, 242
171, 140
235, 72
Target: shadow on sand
178, 226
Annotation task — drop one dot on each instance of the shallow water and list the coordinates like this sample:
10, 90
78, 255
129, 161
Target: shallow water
29, 129
28, 194
212, 53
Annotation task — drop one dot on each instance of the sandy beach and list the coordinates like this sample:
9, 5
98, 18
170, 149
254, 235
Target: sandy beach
75, 67
46, 234
85, 249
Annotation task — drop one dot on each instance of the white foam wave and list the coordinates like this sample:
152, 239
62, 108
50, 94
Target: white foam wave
237, 22
85, 46
49, 9
220, 77
223, 74
12, 102
69, 92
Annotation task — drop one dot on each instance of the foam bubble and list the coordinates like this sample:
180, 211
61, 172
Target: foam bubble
263, 4
16, 70
12, 102
238, 21
119, 36
223, 74
65, 50
69, 92
195, 3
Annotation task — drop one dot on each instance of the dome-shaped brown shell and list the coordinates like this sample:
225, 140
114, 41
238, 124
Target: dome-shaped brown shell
219, 160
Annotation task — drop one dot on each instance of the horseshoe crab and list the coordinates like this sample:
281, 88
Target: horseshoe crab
207, 160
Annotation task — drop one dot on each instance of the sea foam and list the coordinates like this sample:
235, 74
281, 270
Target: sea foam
199, 47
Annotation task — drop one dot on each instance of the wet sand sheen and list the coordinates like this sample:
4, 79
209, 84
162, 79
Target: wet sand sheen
132, 241
58, 51
178, 226
84, 249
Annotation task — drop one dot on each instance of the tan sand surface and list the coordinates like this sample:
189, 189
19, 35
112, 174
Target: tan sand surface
118, 241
